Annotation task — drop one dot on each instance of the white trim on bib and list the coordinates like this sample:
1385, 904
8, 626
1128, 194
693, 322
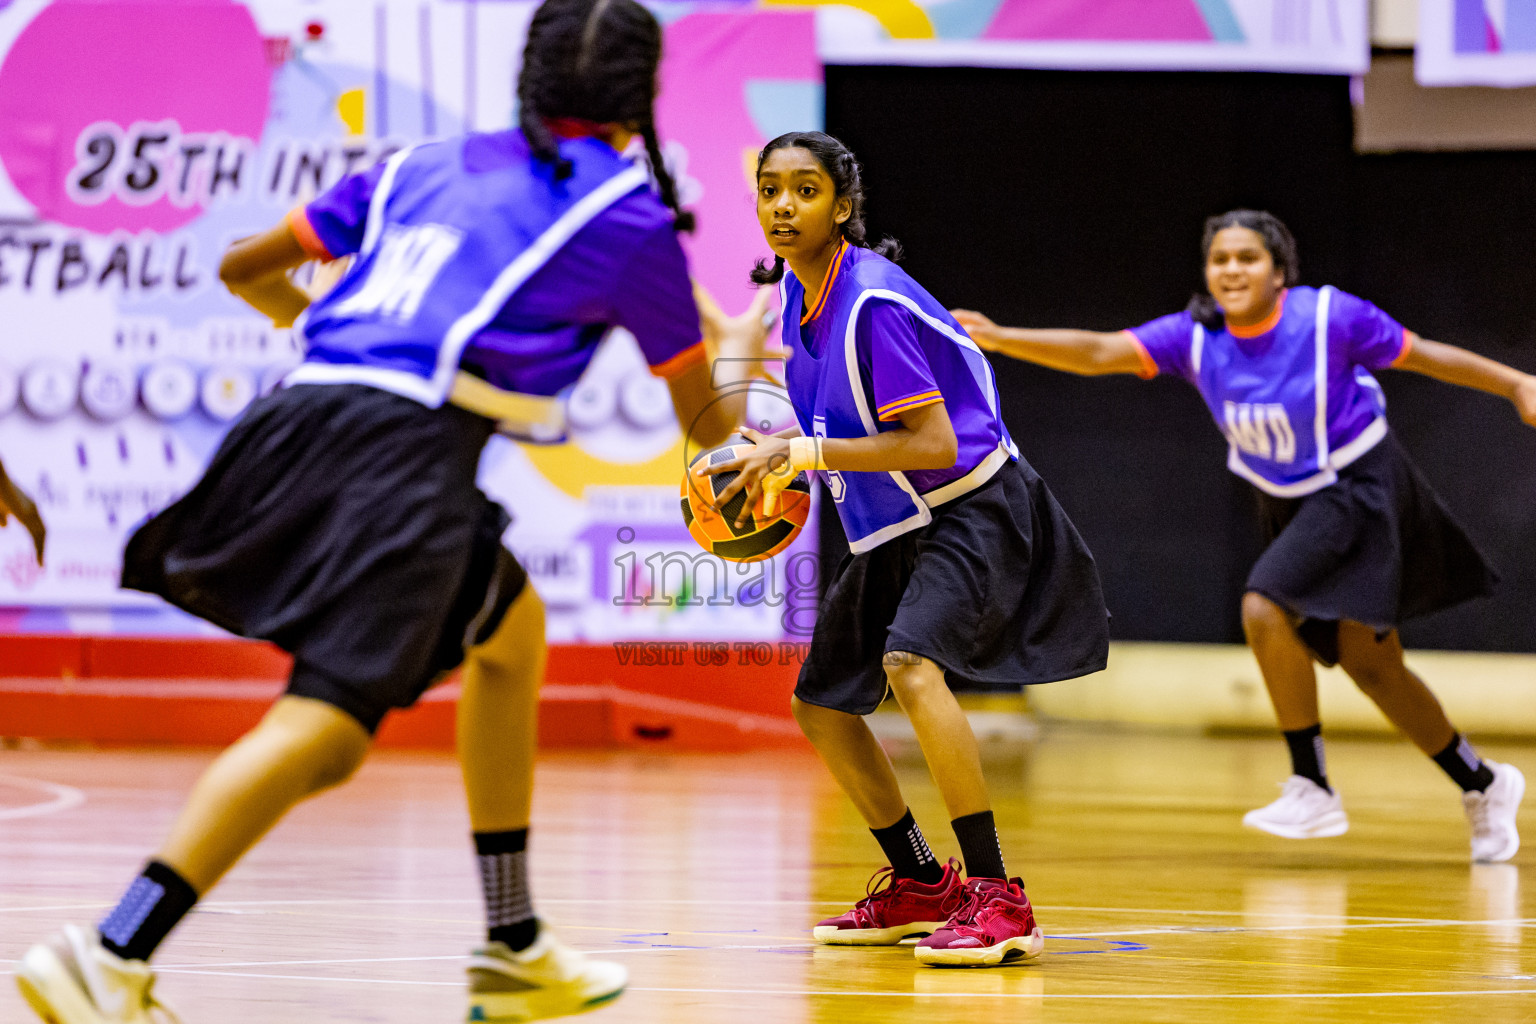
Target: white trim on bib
1328, 462
435, 390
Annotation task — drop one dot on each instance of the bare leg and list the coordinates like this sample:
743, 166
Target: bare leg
301, 747
498, 718
855, 759
1283, 661
535, 975
944, 733
1377, 668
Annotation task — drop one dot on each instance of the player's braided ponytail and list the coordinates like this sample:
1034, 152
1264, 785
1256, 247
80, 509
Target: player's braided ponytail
594, 61
839, 163
1277, 239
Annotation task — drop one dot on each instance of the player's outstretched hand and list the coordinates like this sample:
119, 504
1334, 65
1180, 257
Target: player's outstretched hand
741, 339
979, 326
1525, 400
15, 502
763, 472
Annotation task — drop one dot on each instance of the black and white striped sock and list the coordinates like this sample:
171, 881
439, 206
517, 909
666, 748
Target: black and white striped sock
503, 860
1306, 747
979, 845
1461, 763
908, 851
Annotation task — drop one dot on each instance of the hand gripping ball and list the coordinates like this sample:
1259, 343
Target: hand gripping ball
714, 527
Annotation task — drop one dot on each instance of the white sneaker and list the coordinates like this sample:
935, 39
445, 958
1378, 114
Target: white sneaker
548, 979
71, 978
1491, 814
1305, 810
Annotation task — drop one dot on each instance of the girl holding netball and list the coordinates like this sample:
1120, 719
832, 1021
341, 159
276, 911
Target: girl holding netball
961, 565
1357, 540
340, 517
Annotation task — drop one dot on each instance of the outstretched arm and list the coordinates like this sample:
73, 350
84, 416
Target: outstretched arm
709, 397
1091, 353
1470, 370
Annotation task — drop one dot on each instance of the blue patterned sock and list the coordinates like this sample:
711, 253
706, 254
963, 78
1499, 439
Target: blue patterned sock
154, 904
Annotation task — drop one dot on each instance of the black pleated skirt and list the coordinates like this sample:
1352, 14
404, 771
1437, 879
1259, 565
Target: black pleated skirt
1376, 547
343, 524
999, 589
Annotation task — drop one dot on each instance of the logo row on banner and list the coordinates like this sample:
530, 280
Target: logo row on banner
169, 389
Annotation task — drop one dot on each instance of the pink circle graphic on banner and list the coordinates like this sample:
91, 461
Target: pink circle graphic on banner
105, 103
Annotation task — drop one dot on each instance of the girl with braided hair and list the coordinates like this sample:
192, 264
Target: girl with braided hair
1357, 540
340, 518
962, 567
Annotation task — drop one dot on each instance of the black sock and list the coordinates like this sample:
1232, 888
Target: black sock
908, 851
503, 860
154, 904
1462, 764
1307, 754
980, 848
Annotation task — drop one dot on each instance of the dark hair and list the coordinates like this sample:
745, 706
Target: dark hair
1277, 239
838, 161
594, 60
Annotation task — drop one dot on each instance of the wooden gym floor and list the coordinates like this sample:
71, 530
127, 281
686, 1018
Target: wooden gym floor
703, 874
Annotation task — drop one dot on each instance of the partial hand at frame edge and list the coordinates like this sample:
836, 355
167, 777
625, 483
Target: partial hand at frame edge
16, 502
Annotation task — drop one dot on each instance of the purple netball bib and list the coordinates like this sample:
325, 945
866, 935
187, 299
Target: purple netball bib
1296, 401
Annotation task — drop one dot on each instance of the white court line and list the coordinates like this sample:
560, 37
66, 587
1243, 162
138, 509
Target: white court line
698, 949
1043, 907
64, 798
310, 963
1084, 996
353, 901
1519, 922
1075, 996
309, 977
1221, 913
217, 904
455, 956
1324, 921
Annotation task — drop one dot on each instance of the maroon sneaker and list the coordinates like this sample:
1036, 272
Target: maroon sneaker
895, 909
995, 925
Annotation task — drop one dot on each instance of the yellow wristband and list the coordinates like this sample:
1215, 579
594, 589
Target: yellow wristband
805, 453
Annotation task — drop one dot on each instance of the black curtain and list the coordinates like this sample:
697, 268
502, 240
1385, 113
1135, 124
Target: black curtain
1076, 199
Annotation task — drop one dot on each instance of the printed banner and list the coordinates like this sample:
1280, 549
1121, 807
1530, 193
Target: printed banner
1315, 36
1476, 42
140, 138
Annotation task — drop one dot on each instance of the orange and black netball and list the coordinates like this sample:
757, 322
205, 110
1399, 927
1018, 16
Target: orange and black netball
714, 527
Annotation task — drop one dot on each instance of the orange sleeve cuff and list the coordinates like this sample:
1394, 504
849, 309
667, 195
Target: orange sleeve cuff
304, 231
1148, 365
892, 410
1402, 357
686, 359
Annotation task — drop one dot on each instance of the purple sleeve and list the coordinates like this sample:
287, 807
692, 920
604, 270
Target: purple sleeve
1369, 337
1165, 345
338, 218
899, 372
653, 300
